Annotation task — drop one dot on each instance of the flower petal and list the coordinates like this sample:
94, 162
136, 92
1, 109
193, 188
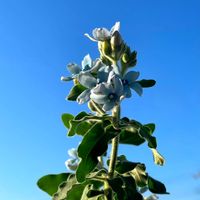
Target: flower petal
66, 78
84, 97
127, 91
91, 38
131, 76
102, 74
72, 153
99, 98
116, 27
86, 62
137, 87
102, 88
71, 164
101, 34
87, 80
73, 68
108, 106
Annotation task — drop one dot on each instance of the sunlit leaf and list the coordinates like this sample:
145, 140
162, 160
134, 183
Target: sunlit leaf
66, 117
94, 144
50, 183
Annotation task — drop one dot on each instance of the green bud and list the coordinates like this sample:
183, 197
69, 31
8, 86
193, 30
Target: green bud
105, 46
116, 41
125, 58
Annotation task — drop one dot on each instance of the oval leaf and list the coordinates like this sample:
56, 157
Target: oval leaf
50, 183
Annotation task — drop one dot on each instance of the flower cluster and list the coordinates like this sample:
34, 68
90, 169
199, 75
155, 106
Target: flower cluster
106, 80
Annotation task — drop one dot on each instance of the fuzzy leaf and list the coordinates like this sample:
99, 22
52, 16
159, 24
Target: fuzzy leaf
64, 187
147, 83
156, 186
151, 127
94, 144
50, 183
131, 189
116, 185
66, 117
75, 92
146, 134
140, 175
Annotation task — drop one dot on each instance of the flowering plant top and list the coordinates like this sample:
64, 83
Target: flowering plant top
104, 83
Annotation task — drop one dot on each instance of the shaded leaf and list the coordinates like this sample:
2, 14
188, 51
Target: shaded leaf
131, 189
140, 175
123, 165
156, 186
50, 183
146, 134
116, 185
147, 83
151, 127
75, 92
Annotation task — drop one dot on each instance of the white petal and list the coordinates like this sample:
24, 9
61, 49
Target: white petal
101, 34
87, 80
116, 27
72, 153
137, 87
86, 62
91, 38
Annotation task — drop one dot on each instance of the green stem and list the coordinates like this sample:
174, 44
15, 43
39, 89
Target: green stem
115, 143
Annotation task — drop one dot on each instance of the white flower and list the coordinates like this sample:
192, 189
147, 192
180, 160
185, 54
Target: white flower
103, 34
73, 162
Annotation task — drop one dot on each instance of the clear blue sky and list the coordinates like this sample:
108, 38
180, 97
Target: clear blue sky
38, 39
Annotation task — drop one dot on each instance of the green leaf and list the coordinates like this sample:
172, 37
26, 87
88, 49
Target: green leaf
131, 137
75, 92
156, 186
93, 193
151, 127
123, 165
130, 132
94, 144
74, 123
66, 117
76, 191
50, 183
140, 175
146, 134
147, 83
116, 185
64, 187
131, 189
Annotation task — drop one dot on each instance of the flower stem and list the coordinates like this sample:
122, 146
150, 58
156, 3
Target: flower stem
115, 143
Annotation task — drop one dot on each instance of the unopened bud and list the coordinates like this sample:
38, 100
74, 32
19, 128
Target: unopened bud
116, 41
105, 47
125, 58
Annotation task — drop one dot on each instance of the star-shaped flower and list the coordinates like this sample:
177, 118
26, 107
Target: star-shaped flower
108, 94
86, 65
129, 82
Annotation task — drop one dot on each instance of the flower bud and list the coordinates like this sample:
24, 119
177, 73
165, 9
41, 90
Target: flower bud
158, 158
105, 47
116, 41
125, 58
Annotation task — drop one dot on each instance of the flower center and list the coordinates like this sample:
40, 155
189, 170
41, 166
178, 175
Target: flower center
112, 96
125, 82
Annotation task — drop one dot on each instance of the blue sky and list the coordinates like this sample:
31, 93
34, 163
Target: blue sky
38, 39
